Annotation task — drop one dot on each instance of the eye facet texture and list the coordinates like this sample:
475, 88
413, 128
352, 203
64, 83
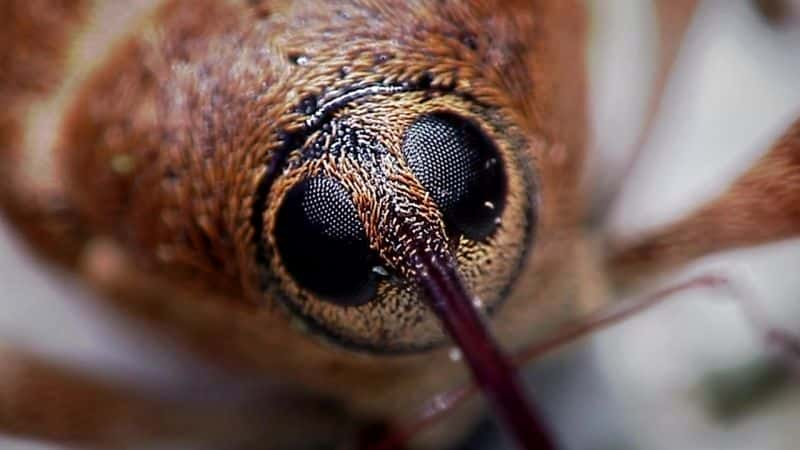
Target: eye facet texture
322, 242
461, 170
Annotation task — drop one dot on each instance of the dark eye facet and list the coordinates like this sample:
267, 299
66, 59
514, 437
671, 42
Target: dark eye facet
322, 242
461, 170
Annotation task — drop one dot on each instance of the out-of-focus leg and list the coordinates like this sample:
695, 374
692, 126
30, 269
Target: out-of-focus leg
43, 401
762, 205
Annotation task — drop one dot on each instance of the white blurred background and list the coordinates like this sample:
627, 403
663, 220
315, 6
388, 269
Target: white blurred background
639, 385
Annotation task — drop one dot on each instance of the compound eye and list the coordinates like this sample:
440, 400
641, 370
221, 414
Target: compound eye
322, 242
460, 168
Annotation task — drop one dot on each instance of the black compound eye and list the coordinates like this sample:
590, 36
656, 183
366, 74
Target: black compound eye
322, 242
461, 169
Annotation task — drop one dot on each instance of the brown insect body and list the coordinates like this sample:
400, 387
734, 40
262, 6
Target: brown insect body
179, 146
160, 164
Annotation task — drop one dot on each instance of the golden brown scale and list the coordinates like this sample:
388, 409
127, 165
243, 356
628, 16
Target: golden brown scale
174, 154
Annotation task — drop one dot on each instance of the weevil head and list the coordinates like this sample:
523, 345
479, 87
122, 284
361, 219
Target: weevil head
378, 180
412, 123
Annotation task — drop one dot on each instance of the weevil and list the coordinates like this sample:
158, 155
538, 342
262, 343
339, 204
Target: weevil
324, 194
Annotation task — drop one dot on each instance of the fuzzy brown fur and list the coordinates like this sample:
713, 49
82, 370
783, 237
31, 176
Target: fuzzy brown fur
172, 152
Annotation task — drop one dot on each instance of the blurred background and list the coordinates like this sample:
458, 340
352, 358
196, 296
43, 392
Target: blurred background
692, 373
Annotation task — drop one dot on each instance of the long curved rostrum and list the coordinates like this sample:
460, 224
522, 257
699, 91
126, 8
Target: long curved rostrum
492, 370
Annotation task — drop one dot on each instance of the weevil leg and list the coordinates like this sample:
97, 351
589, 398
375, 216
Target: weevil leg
761, 206
48, 402
44, 401
36, 47
49, 49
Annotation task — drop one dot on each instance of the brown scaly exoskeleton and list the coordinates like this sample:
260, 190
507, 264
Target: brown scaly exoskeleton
321, 194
